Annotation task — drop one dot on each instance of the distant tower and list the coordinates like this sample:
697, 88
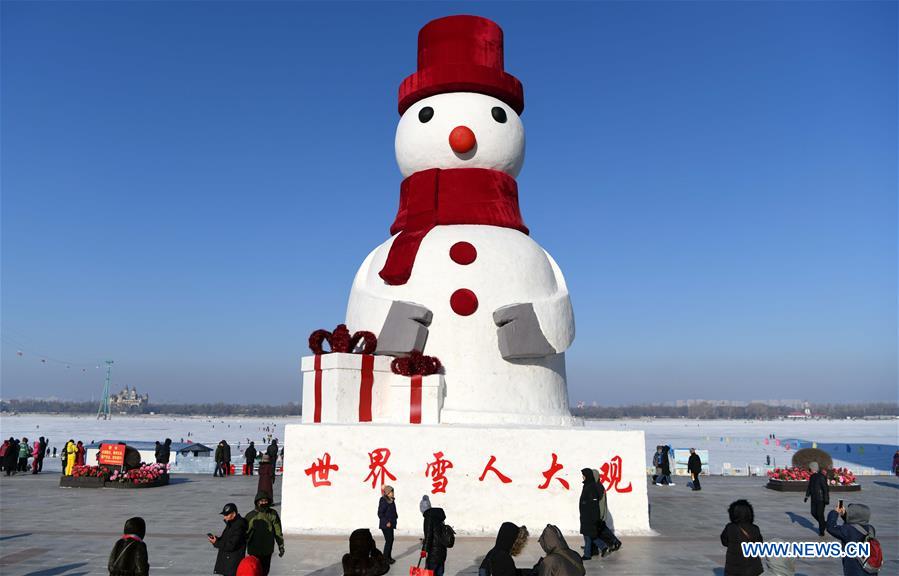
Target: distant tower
103, 412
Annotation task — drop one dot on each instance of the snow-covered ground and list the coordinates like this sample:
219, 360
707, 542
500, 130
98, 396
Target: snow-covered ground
863, 446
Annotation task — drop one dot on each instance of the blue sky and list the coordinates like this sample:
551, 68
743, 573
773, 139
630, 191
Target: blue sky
188, 189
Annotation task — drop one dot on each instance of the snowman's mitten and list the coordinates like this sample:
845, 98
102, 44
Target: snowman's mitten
405, 329
519, 333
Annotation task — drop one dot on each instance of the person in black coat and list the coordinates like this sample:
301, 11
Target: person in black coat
11, 460
510, 541
232, 544
164, 452
272, 452
387, 517
740, 529
129, 555
364, 558
226, 455
666, 465
250, 456
588, 507
438, 539
694, 467
818, 491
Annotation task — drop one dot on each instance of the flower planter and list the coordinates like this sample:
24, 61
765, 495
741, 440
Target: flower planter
81, 482
161, 481
801, 485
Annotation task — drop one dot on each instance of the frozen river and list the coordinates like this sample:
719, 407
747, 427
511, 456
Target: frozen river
864, 446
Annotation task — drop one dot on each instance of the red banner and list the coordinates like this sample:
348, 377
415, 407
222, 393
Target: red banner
318, 389
368, 380
111, 454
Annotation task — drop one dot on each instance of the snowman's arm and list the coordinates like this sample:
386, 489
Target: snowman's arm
555, 314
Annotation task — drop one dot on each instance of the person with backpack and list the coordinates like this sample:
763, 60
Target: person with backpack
387, 516
741, 528
264, 531
439, 537
560, 560
856, 528
818, 491
129, 555
364, 558
499, 561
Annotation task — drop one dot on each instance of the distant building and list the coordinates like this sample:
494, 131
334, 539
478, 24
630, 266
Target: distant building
128, 400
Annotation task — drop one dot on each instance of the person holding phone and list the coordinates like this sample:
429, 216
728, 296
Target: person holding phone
232, 544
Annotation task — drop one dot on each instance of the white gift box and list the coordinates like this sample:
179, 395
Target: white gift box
341, 387
345, 388
416, 399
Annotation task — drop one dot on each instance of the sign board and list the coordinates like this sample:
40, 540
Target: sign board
334, 474
111, 454
681, 455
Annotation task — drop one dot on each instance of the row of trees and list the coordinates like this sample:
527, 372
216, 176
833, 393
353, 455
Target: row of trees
702, 411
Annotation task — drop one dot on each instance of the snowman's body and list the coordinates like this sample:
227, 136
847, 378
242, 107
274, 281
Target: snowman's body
510, 268
507, 268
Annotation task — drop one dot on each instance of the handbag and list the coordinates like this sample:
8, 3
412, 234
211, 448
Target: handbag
419, 571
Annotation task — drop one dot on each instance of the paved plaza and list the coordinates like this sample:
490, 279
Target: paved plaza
50, 531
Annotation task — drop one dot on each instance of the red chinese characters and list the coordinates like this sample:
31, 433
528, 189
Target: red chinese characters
377, 466
320, 470
548, 475
610, 475
436, 470
489, 468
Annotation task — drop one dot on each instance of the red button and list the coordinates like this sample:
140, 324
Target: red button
464, 302
463, 253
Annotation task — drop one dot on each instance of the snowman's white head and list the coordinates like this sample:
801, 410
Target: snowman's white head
460, 130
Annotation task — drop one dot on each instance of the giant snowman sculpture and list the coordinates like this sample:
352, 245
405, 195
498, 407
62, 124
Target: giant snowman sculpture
448, 378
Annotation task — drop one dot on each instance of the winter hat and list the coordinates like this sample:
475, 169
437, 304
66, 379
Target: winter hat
858, 514
249, 566
136, 526
260, 495
425, 504
461, 54
740, 512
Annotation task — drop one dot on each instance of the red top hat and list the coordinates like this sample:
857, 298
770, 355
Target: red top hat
461, 54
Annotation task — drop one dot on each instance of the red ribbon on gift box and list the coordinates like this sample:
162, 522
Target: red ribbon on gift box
366, 384
415, 400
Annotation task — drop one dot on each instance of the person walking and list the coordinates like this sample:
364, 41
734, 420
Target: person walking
856, 527
226, 458
266, 482
499, 561
250, 456
164, 452
818, 491
219, 458
79, 453
264, 531
272, 452
588, 507
694, 467
232, 544
741, 528
387, 516
364, 558
605, 532
657, 464
129, 555
438, 539
560, 560
24, 455
666, 466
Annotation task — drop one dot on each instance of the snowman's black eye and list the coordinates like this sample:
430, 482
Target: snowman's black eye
425, 114
499, 114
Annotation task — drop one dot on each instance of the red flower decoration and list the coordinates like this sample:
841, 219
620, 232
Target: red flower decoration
417, 364
341, 341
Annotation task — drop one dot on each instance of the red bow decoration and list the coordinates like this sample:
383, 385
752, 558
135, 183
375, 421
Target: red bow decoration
341, 341
417, 364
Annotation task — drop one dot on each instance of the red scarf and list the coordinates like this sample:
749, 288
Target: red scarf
443, 197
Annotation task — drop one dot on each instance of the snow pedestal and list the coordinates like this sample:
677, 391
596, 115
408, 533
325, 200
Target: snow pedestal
481, 476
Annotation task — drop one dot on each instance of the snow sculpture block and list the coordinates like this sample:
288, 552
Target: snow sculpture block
415, 399
340, 387
481, 476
